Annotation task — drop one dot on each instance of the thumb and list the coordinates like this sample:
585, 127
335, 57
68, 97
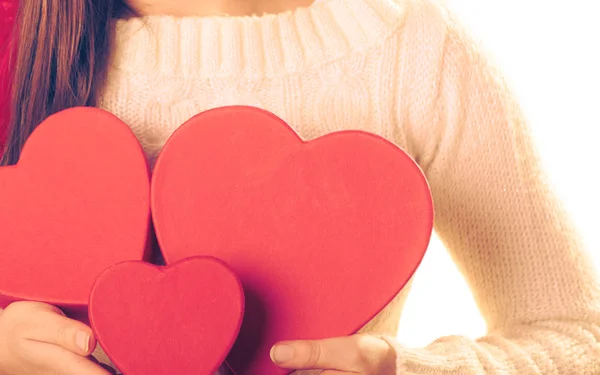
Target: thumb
49, 324
334, 353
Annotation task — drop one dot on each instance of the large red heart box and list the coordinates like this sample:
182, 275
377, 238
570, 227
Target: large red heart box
323, 234
77, 202
182, 319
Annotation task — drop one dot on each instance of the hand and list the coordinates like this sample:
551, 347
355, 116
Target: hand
38, 339
357, 354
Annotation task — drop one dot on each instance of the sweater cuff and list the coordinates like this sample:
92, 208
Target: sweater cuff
410, 361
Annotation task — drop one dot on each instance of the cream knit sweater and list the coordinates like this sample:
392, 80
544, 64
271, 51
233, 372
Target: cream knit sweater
406, 70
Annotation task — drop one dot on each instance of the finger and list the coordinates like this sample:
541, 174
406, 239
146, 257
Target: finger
110, 370
103, 365
336, 372
49, 325
336, 354
57, 360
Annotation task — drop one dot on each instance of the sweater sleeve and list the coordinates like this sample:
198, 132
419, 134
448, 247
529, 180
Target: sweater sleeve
510, 237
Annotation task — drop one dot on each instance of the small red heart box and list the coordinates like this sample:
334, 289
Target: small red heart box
182, 319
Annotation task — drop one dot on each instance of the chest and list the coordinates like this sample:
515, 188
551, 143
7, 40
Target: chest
338, 97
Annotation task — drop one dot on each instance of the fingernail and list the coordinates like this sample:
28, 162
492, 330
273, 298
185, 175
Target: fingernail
282, 353
82, 339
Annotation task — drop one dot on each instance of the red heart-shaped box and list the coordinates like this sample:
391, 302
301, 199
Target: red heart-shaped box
77, 202
182, 319
323, 234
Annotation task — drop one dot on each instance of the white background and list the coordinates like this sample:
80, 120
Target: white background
550, 54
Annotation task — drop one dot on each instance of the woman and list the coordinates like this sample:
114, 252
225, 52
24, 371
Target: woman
403, 69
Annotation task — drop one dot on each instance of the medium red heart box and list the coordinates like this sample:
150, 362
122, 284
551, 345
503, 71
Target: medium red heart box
323, 234
76, 203
182, 319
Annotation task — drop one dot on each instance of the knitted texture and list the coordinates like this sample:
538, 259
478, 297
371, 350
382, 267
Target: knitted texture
405, 70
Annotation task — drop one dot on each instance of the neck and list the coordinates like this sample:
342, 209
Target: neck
202, 8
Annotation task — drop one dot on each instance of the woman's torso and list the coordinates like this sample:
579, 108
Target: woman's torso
335, 66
